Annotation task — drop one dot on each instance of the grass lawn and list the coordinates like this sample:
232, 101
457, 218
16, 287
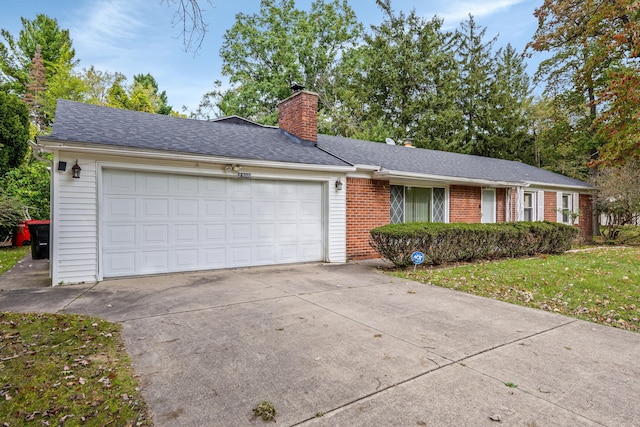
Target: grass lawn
66, 370
599, 285
10, 256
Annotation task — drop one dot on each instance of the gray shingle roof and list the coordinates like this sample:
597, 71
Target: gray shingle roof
84, 123
441, 163
238, 138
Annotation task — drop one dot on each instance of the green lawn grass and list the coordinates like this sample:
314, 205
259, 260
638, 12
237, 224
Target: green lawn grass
601, 285
66, 369
10, 256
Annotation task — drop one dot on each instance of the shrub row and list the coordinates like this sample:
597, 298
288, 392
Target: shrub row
442, 243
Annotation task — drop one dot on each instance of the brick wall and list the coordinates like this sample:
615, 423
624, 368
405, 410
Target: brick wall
550, 206
500, 205
367, 208
465, 204
585, 220
298, 115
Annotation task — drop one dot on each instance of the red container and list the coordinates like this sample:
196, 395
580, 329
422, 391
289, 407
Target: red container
21, 235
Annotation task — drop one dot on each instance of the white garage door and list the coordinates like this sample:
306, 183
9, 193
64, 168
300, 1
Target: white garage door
158, 223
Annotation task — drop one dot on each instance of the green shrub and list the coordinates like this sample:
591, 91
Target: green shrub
443, 243
10, 215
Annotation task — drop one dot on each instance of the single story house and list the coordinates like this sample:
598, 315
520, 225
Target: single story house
136, 193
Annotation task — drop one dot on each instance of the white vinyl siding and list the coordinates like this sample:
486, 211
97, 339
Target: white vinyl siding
336, 222
73, 246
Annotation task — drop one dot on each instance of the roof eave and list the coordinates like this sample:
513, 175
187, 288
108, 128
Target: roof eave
53, 144
390, 174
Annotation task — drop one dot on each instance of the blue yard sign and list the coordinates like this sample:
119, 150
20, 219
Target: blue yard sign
417, 257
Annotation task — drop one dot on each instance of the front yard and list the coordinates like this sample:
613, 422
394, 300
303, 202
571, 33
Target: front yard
599, 285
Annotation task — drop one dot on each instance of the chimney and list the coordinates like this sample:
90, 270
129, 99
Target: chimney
298, 114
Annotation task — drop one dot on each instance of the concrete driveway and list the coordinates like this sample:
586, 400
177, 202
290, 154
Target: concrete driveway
345, 345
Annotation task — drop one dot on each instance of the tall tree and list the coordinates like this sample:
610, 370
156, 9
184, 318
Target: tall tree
16, 54
591, 41
36, 87
159, 100
509, 102
14, 131
405, 83
477, 70
265, 53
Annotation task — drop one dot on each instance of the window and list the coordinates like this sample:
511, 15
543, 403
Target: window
417, 204
566, 208
529, 206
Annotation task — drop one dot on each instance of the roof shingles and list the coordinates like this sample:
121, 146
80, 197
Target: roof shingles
84, 123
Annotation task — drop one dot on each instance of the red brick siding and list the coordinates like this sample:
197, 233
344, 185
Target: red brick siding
464, 205
551, 206
367, 208
501, 210
298, 115
585, 220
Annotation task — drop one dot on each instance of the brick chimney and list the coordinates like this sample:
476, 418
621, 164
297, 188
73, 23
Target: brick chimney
298, 114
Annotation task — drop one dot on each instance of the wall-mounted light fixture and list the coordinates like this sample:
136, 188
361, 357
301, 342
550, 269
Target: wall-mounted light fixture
76, 170
232, 168
338, 185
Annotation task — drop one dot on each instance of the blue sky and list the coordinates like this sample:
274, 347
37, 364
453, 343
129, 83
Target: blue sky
137, 36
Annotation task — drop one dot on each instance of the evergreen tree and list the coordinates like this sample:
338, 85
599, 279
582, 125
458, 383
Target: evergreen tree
476, 72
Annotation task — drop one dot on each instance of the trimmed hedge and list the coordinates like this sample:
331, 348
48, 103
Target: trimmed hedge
442, 243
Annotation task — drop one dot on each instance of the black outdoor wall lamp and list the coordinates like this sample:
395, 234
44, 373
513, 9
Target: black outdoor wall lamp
338, 185
76, 170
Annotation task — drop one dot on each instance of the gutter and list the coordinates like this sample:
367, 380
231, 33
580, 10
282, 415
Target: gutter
385, 174
52, 145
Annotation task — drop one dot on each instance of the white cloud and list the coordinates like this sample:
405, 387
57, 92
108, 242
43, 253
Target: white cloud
457, 11
108, 28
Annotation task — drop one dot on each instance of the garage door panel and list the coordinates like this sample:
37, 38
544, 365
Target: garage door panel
309, 251
186, 234
153, 183
121, 263
153, 235
239, 256
287, 253
240, 232
213, 257
309, 231
156, 223
155, 209
264, 210
265, 232
264, 254
239, 189
214, 233
239, 209
186, 208
120, 235
287, 209
214, 209
186, 185
185, 259
287, 232
119, 181
155, 261
120, 208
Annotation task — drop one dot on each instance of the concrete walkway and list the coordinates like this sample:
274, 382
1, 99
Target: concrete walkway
345, 345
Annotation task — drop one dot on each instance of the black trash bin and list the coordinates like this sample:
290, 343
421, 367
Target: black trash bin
39, 230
